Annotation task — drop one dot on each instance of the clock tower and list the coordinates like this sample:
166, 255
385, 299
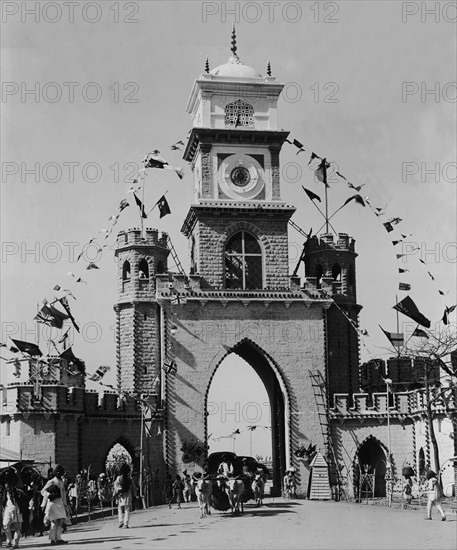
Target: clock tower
233, 149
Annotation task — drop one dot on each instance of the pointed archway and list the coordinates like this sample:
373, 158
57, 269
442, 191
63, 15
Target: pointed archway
271, 378
371, 457
121, 451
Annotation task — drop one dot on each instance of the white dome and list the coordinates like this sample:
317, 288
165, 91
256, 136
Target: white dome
234, 68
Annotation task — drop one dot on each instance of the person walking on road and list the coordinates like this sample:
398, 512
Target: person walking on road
55, 505
434, 495
125, 492
178, 488
12, 517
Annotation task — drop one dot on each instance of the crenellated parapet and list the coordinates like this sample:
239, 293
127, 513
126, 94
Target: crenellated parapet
405, 404
56, 399
133, 237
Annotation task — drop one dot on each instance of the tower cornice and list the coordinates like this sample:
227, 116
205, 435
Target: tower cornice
213, 136
232, 209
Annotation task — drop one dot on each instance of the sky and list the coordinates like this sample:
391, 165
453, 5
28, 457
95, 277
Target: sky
369, 85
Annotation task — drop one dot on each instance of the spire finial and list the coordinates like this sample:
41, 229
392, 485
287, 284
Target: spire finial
269, 69
233, 48
207, 66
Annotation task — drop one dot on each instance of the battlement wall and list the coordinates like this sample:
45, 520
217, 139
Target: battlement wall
328, 242
22, 398
408, 403
152, 237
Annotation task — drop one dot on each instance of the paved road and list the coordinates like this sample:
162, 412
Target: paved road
299, 524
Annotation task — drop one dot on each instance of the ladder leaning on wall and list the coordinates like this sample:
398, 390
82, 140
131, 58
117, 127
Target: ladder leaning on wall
174, 255
320, 396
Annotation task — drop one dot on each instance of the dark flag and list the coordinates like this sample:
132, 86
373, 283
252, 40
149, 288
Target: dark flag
356, 187
356, 198
122, 205
395, 338
397, 242
404, 286
402, 270
341, 176
321, 172
311, 195
395, 220
69, 356
448, 310
388, 226
140, 206
92, 265
27, 347
419, 333
164, 207
66, 306
51, 316
409, 308
297, 144
312, 157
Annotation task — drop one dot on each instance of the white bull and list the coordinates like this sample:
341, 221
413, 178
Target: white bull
203, 491
234, 489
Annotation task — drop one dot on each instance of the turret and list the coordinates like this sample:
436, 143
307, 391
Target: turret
141, 258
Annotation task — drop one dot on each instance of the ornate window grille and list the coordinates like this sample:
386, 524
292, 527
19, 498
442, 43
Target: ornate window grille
239, 114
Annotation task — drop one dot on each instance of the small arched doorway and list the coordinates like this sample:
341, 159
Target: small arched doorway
117, 455
275, 403
371, 458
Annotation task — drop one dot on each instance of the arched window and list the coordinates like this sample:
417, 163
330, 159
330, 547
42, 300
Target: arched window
239, 114
243, 262
336, 272
143, 270
126, 274
318, 274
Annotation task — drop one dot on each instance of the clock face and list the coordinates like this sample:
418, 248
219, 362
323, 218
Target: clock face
240, 176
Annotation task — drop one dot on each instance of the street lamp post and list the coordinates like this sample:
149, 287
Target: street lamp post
388, 477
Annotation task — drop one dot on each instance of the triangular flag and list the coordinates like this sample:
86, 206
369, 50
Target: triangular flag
311, 195
419, 333
66, 306
356, 187
356, 198
140, 206
448, 310
92, 266
312, 157
402, 270
321, 172
409, 308
122, 205
396, 339
164, 207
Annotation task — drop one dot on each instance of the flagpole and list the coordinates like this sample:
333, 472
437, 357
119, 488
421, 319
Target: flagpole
142, 201
326, 204
398, 324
